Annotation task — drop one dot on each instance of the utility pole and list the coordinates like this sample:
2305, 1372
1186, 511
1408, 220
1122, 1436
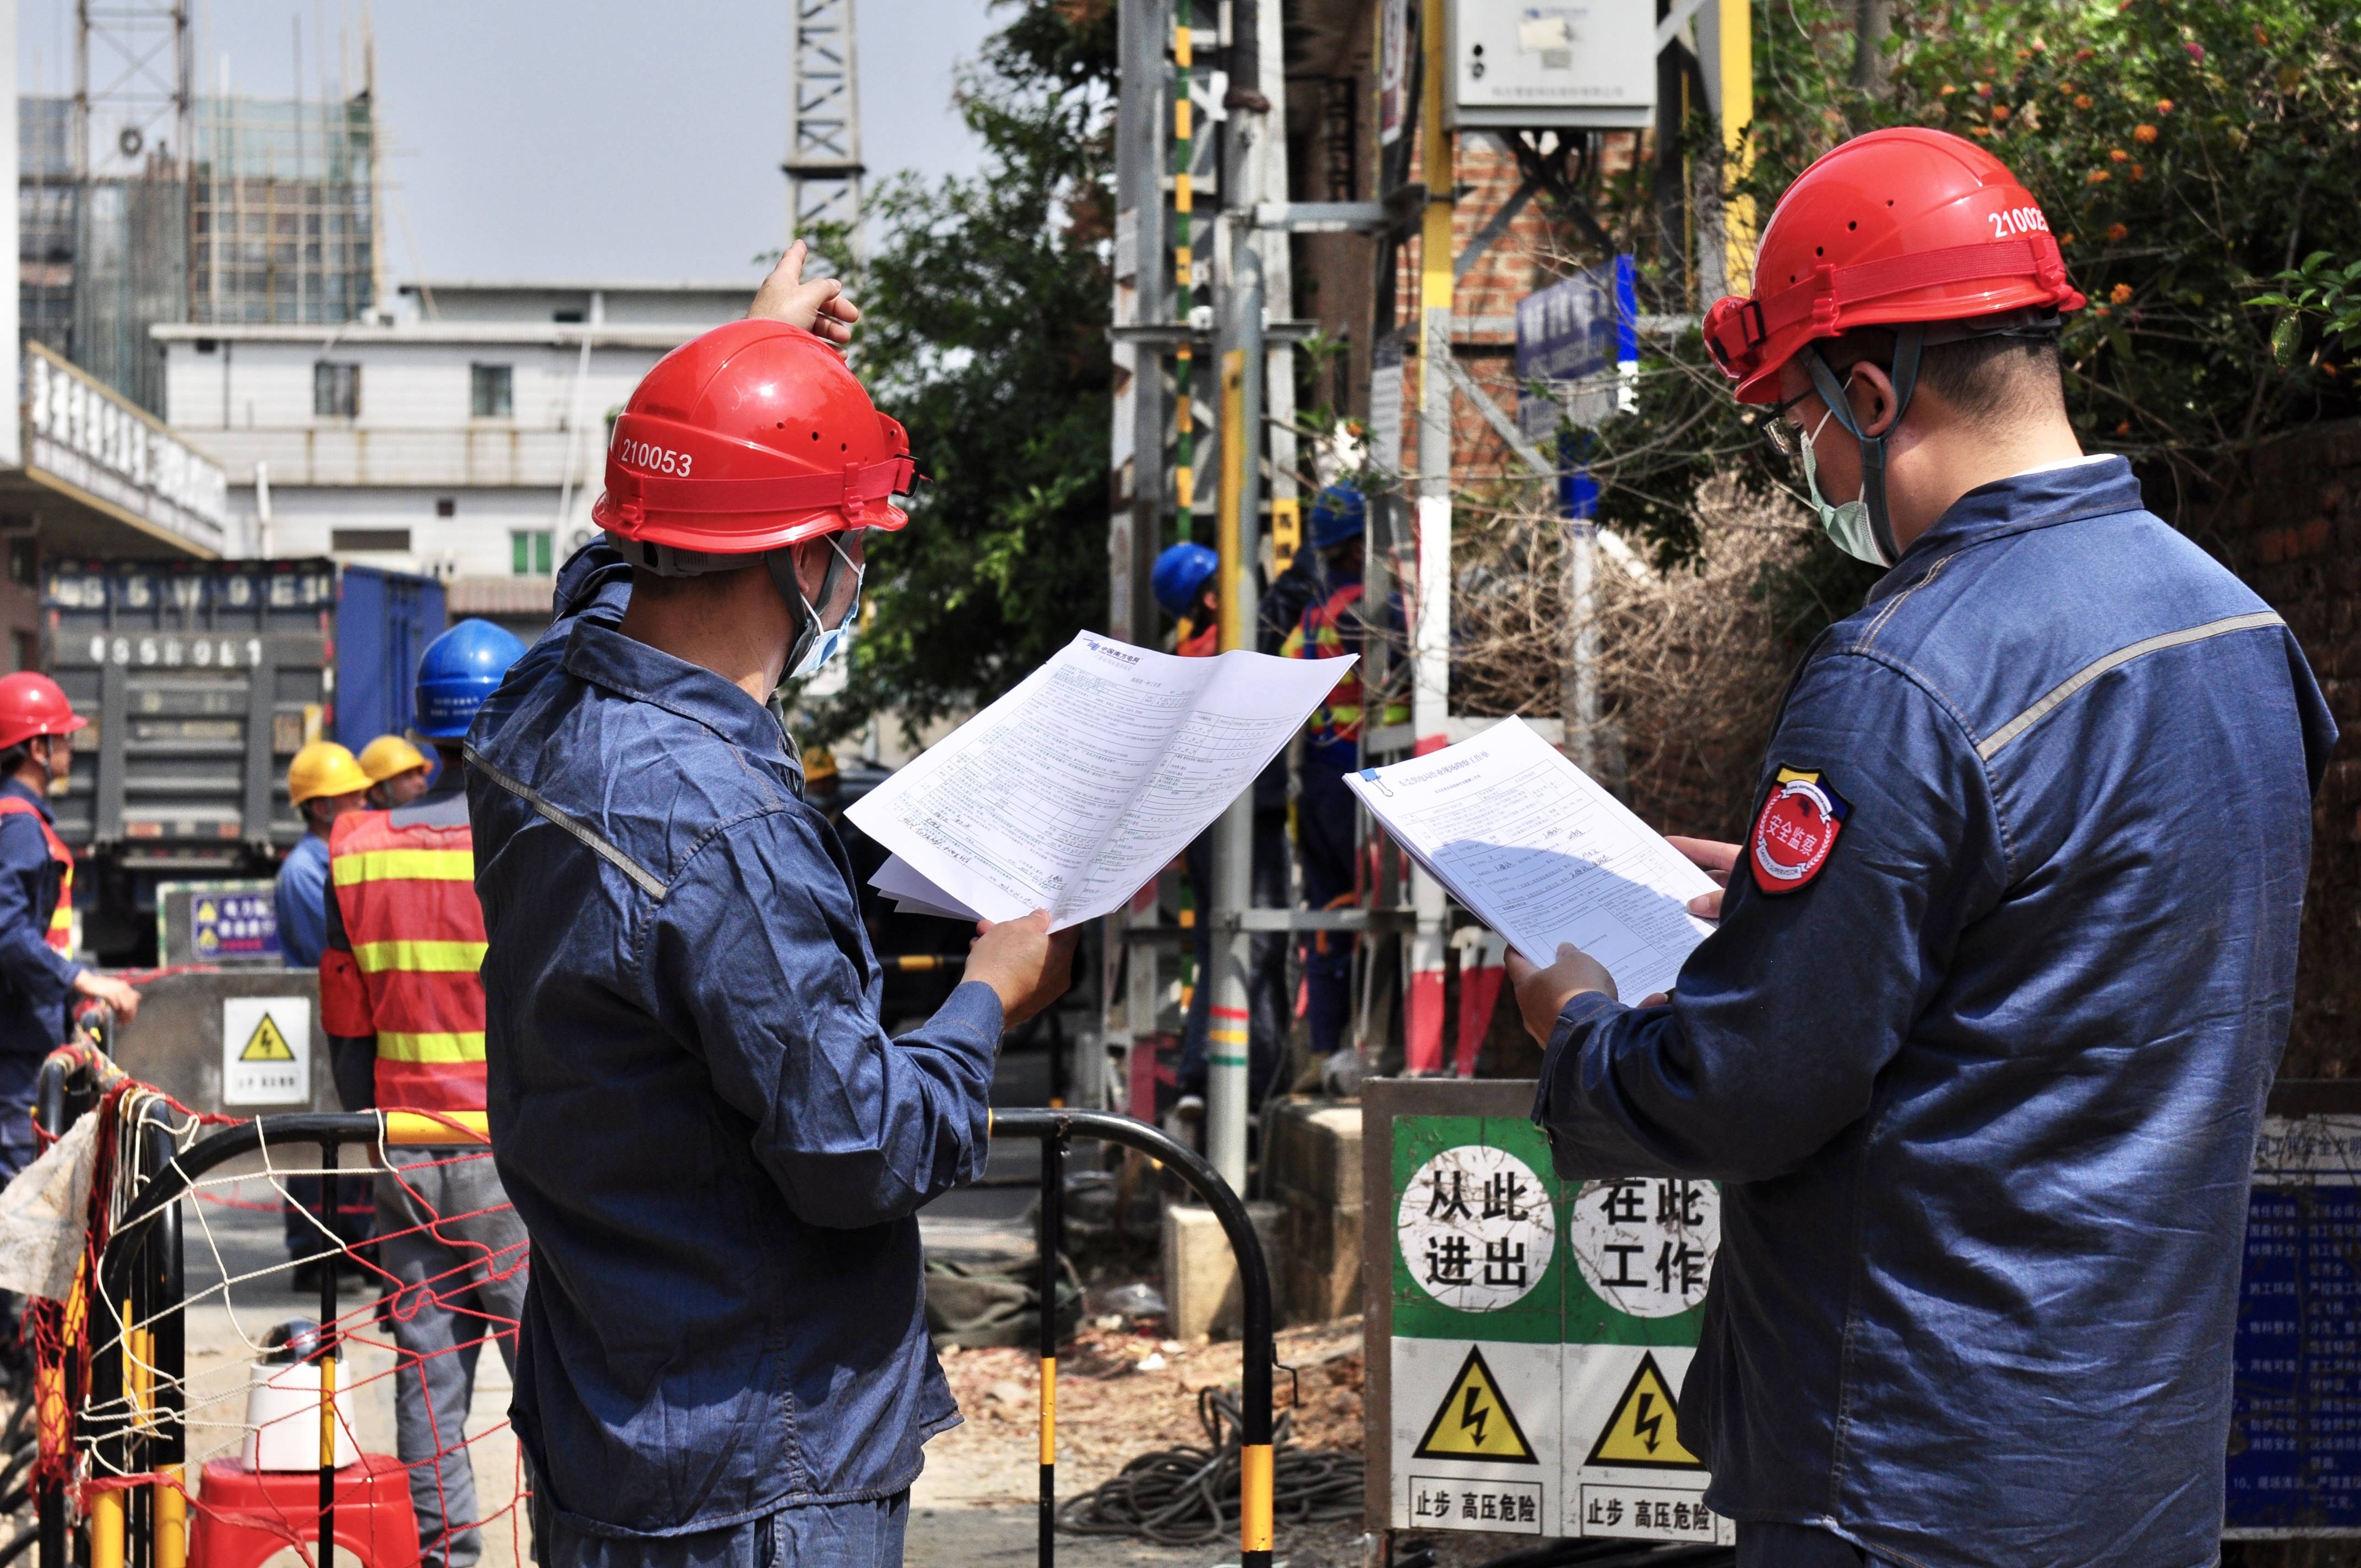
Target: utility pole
1430, 600
823, 165
1229, 1082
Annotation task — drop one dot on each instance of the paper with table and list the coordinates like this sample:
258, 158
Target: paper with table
1542, 855
1074, 789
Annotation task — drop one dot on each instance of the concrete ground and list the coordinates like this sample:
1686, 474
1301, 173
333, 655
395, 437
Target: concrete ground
970, 1507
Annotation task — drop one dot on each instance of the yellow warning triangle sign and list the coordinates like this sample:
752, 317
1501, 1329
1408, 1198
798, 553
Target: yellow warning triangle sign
1474, 1421
266, 1044
1644, 1430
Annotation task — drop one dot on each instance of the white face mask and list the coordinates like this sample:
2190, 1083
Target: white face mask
1847, 524
831, 642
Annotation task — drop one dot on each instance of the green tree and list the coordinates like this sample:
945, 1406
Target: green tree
987, 308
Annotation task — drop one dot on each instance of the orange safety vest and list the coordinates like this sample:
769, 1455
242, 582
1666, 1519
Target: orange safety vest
407, 897
61, 932
1331, 629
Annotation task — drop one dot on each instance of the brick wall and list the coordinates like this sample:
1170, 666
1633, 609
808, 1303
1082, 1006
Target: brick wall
2294, 532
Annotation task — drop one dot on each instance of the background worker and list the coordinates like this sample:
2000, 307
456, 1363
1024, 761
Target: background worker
716, 1147
2004, 969
324, 781
1329, 627
403, 1010
1185, 586
39, 975
398, 772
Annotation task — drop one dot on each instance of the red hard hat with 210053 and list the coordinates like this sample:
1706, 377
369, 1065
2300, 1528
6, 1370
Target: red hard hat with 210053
752, 437
1898, 226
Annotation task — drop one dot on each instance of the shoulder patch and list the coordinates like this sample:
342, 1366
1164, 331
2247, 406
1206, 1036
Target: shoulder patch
1795, 830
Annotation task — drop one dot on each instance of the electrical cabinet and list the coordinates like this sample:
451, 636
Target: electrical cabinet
1588, 64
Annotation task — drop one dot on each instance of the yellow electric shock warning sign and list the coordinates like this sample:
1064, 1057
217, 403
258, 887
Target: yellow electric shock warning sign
266, 1044
1644, 1430
1474, 1421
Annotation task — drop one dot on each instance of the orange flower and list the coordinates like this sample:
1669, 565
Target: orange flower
2102, 310
1946, 90
2164, 105
2001, 113
2117, 231
2081, 100
1980, 133
2118, 155
2138, 172
2119, 293
2124, 428
2143, 134
2099, 177
2064, 239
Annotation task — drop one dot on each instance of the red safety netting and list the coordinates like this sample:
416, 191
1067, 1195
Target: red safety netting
430, 1265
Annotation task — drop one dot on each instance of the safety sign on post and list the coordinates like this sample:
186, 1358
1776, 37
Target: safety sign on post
266, 1050
1528, 1336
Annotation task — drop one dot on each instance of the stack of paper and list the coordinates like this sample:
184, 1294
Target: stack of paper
1542, 855
1073, 790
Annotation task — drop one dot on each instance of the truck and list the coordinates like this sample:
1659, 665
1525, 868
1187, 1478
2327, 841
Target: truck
200, 680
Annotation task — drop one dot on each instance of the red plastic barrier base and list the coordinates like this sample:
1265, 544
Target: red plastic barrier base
244, 1516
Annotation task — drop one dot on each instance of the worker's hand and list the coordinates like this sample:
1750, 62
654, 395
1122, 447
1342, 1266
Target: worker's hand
112, 991
1542, 993
1714, 857
819, 306
1023, 963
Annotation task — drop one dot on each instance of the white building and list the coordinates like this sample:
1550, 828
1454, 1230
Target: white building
466, 439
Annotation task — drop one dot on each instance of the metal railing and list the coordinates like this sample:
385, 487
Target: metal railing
137, 1422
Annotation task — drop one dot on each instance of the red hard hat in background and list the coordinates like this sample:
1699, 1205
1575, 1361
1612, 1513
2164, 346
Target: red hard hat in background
747, 438
31, 704
1899, 225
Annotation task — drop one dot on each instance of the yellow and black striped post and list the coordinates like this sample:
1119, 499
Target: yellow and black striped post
1053, 1238
328, 1150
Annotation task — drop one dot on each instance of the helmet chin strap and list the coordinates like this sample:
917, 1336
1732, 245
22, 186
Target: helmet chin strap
1908, 341
808, 629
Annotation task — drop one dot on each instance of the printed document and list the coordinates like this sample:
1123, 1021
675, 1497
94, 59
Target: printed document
1542, 855
1085, 781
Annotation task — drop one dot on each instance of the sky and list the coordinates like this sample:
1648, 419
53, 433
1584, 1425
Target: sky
580, 138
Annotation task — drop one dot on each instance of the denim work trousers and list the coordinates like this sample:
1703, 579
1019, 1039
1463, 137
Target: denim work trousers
455, 1249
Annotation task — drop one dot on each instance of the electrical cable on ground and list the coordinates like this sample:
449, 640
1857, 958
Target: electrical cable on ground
1182, 1497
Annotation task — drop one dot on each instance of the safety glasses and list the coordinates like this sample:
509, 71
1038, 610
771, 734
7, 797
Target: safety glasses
1785, 438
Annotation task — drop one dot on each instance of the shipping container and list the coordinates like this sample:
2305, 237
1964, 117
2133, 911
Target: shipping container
201, 679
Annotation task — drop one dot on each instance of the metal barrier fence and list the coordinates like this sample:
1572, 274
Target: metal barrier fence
133, 1415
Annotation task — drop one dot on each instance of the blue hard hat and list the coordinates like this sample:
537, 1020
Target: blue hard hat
1181, 572
459, 670
1338, 513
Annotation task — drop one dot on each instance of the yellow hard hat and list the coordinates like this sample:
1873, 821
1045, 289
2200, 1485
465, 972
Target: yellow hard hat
820, 762
388, 755
323, 768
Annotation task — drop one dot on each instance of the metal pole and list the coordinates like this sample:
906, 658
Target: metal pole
1256, 1342
168, 1339
329, 1362
1053, 1241
1431, 629
1230, 1091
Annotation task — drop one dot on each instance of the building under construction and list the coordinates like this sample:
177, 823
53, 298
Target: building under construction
141, 204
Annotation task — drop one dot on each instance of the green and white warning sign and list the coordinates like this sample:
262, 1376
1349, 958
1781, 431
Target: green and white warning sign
1535, 1333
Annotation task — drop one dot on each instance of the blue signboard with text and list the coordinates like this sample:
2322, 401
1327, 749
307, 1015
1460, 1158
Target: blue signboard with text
2295, 1435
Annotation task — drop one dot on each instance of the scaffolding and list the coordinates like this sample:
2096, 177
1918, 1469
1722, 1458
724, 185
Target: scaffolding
283, 212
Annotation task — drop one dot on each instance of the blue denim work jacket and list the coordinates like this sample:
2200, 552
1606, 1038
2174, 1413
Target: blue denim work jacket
1983, 1092
716, 1149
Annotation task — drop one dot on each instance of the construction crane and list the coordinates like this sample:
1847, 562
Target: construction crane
823, 165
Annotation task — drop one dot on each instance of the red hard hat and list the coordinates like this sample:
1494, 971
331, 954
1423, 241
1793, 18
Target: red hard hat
1899, 225
31, 704
747, 438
